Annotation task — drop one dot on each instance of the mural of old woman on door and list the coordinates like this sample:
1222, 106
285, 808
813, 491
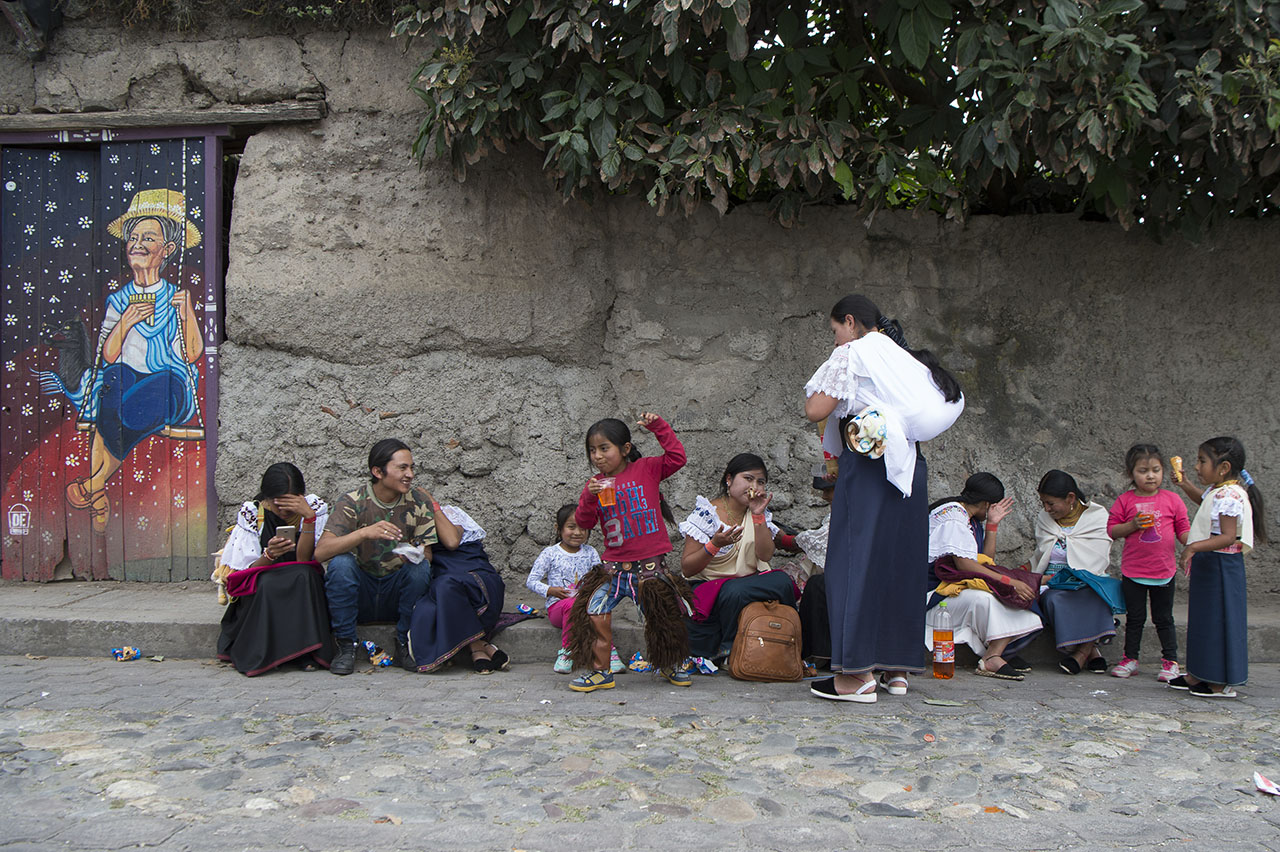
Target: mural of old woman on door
109, 326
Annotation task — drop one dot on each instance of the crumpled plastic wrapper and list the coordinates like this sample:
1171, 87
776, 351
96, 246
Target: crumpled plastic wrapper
127, 653
639, 663
377, 656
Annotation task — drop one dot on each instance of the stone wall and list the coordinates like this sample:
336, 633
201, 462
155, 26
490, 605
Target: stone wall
488, 323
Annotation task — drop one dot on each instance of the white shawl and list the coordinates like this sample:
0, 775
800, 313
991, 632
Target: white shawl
1088, 545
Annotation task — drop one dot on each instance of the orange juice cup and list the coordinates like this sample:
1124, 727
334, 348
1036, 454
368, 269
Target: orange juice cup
607, 496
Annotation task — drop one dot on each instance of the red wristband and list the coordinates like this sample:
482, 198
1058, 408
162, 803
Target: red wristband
992, 527
435, 507
759, 519
710, 548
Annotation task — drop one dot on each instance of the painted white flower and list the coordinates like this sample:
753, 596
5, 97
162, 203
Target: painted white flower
10, 366
179, 500
30, 229
47, 537
56, 242
177, 451
27, 411
195, 159
28, 496
128, 186
86, 222
65, 276
55, 157
195, 279
28, 287
73, 460
51, 206
142, 522
139, 476
194, 212
155, 149
82, 177
10, 319
53, 300
55, 404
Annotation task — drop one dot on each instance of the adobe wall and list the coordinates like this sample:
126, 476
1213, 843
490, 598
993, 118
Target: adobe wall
488, 323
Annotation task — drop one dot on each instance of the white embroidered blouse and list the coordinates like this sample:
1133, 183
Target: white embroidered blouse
874, 371
244, 545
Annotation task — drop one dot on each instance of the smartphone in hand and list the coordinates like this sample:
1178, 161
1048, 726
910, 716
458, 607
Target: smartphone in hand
290, 532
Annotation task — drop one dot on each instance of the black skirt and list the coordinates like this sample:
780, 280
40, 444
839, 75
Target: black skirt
287, 618
714, 637
462, 604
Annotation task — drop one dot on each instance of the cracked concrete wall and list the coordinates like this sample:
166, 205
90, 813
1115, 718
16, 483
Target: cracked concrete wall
488, 323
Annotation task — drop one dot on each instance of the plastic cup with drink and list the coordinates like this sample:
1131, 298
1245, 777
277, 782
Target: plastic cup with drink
607, 495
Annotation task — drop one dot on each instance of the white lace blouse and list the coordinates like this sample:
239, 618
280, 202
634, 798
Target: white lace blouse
874, 371
704, 522
950, 533
244, 546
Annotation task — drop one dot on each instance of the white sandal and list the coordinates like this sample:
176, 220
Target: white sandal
888, 683
827, 689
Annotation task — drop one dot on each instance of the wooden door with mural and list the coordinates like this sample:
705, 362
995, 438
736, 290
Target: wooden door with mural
110, 324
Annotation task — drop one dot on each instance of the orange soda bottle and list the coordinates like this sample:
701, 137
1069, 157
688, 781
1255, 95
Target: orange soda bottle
944, 646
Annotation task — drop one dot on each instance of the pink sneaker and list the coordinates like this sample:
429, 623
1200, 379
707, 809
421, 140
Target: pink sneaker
1168, 671
1125, 668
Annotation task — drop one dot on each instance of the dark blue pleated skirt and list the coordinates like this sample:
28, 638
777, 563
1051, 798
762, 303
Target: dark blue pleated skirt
875, 587
462, 604
1218, 619
1077, 616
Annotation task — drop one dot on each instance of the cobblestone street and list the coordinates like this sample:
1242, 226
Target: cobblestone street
191, 755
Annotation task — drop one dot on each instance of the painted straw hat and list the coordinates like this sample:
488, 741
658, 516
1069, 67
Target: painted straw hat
158, 204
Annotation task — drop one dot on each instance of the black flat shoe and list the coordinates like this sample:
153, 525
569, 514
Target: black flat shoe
1097, 665
1069, 666
404, 659
481, 665
1018, 664
1179, 682
501, 662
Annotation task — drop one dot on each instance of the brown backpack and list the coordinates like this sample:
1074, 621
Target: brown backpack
767, 647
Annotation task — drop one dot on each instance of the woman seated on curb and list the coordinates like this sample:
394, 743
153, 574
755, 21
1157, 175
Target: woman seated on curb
278, 612
1071, 533
463, 602
989, 605
727, 547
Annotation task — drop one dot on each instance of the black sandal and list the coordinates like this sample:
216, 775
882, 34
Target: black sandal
482, 665
1097, 665
1069, 665
1019, 664
501, 662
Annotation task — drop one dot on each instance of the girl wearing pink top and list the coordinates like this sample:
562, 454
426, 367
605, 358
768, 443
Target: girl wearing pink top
1149, 519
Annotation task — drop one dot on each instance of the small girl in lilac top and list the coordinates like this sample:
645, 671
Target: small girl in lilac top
555, 576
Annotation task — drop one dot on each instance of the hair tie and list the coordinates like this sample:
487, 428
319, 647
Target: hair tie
1246, 478
893, 330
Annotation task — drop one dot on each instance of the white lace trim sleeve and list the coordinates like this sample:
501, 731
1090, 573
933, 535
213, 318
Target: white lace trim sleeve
471, 531
834, 378
950, 534
702, 523
243, 546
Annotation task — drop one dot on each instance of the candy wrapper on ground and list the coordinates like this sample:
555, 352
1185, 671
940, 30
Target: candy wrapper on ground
700, 665
525, 609
1265, 784
377, 656
128, 652
639, 663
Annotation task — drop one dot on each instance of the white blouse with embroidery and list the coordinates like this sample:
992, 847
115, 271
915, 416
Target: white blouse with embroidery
471, 531
874, 371
244, 545
950, 533
703, 522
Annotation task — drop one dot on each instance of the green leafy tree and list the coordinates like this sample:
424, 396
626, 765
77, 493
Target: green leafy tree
1165, 112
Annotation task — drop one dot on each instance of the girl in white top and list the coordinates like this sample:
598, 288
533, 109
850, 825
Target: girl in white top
555, 575
1229, 521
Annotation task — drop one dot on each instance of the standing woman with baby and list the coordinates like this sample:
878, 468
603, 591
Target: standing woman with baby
888, 397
